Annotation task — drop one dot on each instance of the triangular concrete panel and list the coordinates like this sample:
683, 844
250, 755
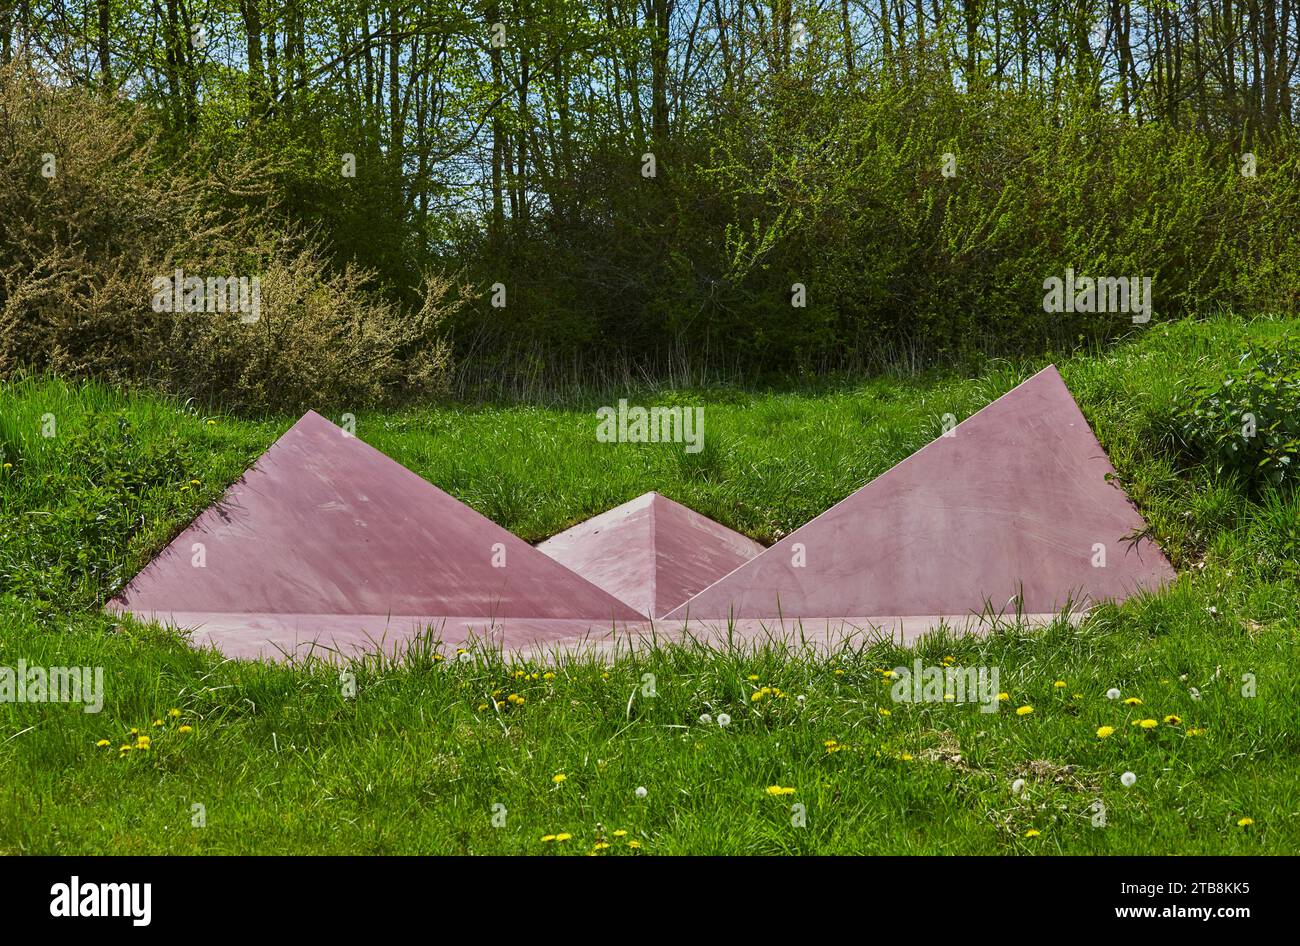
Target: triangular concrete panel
327, 532
1017, 501
651, 553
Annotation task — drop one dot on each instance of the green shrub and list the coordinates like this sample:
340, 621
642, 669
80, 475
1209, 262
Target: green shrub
841, 190
80, 250
1249, 423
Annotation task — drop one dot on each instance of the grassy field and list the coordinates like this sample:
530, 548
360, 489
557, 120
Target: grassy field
420, 761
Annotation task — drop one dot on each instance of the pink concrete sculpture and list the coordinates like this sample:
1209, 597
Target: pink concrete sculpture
651, 553
1017, 507
328, 544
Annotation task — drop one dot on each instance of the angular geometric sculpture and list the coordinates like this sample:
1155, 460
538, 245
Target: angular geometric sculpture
1016, 506
328, 543
651, 553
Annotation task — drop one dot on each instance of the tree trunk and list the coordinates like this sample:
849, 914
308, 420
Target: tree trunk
252, 15
661, 10
105, 66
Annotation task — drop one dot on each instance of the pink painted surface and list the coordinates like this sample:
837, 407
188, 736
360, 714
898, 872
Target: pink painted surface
324, 524
826, 633
345, 636
1014, 499
339, 637
328, 547
651, 553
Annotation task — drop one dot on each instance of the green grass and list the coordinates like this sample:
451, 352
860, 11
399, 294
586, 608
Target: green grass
282, 761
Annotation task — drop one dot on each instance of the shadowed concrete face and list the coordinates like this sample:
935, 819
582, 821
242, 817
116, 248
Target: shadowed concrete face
325, 526
651, 553
1017, 497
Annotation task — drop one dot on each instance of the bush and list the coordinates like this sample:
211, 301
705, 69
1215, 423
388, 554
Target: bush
841, 189
1249, 423
94, 212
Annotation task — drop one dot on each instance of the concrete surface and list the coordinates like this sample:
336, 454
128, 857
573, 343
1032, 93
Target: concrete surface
1012, 503
651, 553
324, 524
326, 547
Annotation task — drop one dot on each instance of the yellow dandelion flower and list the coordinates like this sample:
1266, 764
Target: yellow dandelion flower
482, 707
1003, 697
1148, 723
1104, 731
1059, 684
186, 729
1172, 720
1024, 710
212, 423
558, 778
563, 836
619, 833
1195, 731
548, 676
752, 677
547, 838
885, 712
124, 748
1245, 822
600, 845
779, 790
1132, 701
889, 674
157, 722
906, 757
174, 713
634, 843
1032, 833
102, 743
196, 483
